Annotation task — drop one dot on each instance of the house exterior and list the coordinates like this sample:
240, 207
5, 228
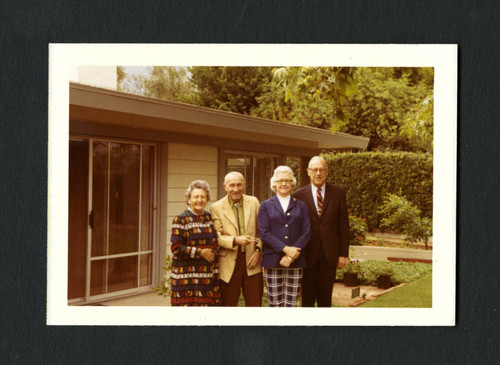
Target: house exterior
131, 159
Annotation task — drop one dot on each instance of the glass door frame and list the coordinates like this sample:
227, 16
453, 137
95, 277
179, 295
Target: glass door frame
154, 209
253, 154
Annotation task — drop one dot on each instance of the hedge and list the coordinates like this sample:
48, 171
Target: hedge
369, 176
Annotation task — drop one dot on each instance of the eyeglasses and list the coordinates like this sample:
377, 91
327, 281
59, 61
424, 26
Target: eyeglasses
279, 182
315, 171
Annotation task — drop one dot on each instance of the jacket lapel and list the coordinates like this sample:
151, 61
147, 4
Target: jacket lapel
246, 210
276, 204
310, 201
328, 198
229, 214
292, 203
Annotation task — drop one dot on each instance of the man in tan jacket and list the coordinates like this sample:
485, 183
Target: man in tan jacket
240, 249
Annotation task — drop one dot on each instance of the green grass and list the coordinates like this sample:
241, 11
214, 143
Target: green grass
417, 294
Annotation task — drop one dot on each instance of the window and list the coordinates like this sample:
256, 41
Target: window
257, 169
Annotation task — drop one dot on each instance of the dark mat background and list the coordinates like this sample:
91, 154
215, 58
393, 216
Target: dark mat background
27, 28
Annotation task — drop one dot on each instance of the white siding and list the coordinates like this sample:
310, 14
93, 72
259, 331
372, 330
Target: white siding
185, 164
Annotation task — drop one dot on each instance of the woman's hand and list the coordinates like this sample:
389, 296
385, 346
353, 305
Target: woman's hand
207, 254
291, 251
286, 261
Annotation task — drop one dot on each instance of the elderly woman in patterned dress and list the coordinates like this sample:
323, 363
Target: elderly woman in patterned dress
195, 272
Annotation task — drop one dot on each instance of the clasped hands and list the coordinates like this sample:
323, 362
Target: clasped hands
208, 254
291, 254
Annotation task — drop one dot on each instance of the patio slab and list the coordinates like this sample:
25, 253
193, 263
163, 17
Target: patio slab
341, 297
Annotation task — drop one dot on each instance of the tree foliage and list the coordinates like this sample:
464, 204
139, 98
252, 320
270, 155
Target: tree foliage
317, 94
388, 104
402, 216
234, 89
162, 82
393, 106
120, 76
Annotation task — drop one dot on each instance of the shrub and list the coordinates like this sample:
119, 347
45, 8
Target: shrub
357, 230
166, 283
403, 217
369, 176
352, 267
401, 272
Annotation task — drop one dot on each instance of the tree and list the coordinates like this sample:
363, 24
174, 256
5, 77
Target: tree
419, 124
390, 105
120, 75
317, 94
162, 82
386, 104
234, 89
402, 216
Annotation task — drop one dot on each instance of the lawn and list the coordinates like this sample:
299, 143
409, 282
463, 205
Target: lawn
417, 294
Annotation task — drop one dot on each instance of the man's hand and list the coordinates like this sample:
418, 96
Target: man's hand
342, 262
254, 259
243, 240
207, 254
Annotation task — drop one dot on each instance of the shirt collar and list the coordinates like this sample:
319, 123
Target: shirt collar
286, 198
189, 208
231, 202
315, 189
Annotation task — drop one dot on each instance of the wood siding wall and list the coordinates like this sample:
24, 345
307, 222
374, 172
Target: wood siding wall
185, 164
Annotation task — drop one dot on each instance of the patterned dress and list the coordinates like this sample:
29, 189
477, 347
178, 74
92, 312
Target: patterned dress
195, 281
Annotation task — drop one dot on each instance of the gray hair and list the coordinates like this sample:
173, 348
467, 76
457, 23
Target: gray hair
321, 158
285, 169
233, 173
198, 184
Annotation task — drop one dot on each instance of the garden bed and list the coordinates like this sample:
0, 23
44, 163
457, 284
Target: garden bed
401, 272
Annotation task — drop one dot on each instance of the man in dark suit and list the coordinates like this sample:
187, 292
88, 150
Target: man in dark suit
329, 245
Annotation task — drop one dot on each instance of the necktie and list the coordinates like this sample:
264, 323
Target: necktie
320, 202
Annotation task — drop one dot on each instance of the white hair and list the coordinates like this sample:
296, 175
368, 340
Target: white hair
286, 170
231, 174
321, 158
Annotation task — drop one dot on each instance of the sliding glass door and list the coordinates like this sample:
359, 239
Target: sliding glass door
121, 199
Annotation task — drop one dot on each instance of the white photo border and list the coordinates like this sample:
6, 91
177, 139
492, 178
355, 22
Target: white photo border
443, 57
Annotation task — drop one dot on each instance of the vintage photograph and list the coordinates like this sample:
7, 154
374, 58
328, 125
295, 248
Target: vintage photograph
246, 178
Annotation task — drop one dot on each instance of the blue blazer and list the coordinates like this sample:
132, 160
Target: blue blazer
278, 229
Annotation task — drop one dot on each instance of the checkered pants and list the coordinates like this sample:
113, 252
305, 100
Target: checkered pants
283, 286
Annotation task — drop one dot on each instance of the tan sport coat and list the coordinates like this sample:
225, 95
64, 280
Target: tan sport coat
227, 228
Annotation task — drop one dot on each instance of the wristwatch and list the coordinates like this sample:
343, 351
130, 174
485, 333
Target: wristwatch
257, 248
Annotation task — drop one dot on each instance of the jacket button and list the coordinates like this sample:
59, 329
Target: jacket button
287, 213
286, 237
286, 225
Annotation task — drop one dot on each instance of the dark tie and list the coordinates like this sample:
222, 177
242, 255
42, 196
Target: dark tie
320, 202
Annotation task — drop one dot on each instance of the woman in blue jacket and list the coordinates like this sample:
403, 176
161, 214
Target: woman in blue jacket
285, 231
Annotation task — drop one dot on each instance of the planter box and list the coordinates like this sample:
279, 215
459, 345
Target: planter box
350, 279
